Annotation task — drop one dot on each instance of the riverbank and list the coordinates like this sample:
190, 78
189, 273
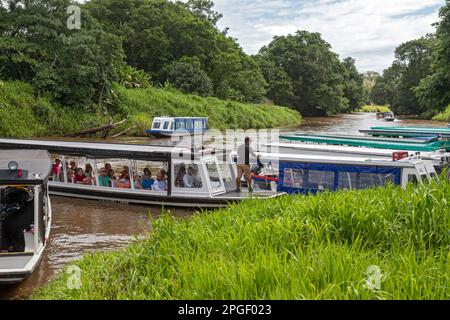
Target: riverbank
323, 247
444, 116
23, 115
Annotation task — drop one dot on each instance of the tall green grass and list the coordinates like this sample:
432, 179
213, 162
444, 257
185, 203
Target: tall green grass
444, 116
374, 109
299, 247
23, 115
142, 105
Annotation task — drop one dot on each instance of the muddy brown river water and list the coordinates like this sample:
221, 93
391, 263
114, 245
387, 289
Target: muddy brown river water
81, 226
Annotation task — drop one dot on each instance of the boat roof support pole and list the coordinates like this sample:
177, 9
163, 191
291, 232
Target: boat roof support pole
169, 178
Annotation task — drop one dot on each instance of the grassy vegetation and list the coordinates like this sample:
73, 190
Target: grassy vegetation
290, 248
374, 109
444, 116
22, 115
144, 104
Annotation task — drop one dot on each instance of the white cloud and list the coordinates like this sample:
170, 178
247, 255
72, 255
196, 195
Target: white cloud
367, 30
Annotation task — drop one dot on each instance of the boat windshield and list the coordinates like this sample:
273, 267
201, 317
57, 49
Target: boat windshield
214, 176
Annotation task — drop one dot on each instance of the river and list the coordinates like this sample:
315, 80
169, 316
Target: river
81, 226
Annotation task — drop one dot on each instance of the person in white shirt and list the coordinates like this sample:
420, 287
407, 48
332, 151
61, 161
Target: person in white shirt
189, 179
160, 183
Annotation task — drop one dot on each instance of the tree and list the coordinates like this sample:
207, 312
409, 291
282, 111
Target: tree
315, 72
279, 87
433, 92
188, 76
353, 84
205, 10
158, 33
369, 80
74, 67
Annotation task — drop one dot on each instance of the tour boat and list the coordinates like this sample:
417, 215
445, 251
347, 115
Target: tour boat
25, 212
416, 145
164, 127
386, 116
439, 158
408, 132
214, 183
310, 174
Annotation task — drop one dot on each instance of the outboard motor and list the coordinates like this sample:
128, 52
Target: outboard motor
257, 170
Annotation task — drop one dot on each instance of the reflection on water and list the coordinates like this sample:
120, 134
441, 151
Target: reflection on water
352, 123
81, 226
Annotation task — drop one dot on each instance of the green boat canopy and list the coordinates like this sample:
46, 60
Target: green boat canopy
355, 141
408, 132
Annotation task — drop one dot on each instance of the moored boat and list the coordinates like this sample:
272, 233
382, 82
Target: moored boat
25, 212
408, 132
165, 127
186, 178
440, 158
415, 145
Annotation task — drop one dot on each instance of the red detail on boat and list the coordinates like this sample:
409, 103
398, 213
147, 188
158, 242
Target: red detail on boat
19, 173
265, 178
396, 156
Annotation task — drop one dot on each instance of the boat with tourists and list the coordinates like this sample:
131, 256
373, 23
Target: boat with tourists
440, 158
431, 144
166, 127
386, 116
25, 212
140, 174
310, 174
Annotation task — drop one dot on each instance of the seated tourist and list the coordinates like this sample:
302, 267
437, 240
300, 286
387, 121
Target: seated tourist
57, 170
79, 176
103, 179
89, 174
124, 180
73, 166
70, 174
180, 175
160, 183
109, 171
146, 181
190, 180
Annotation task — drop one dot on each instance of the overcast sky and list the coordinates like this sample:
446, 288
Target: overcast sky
367, 30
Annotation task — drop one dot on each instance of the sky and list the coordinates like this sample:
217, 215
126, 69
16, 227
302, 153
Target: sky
367, 30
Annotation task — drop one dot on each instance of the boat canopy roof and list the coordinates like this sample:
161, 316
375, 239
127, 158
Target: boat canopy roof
363, 142
423, 140
34, 166
408, 131
98, 150
363, 161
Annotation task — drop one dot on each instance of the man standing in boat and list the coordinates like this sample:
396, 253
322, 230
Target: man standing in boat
243, 164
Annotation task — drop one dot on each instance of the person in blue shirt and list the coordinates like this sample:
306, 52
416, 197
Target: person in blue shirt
147, 181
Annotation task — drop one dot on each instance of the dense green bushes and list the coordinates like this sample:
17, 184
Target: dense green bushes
23, 115
144, 104
323, 247
444, 116
374, 109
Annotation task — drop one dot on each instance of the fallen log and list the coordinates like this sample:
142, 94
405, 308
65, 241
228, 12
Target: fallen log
107, 128
123, 132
